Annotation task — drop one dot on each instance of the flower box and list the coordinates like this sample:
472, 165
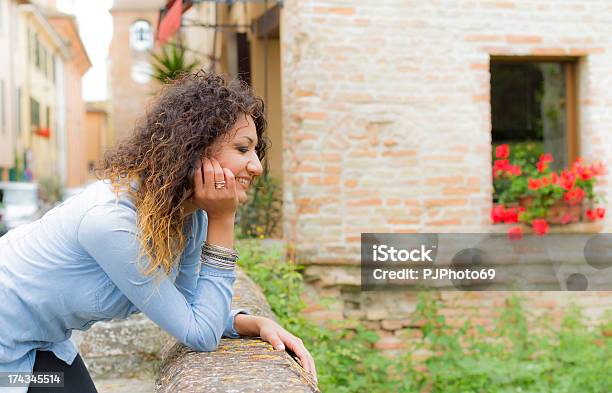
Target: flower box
532, 194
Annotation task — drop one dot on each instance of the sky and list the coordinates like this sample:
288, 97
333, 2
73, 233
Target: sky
96, 30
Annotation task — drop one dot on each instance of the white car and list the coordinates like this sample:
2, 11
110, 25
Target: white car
20, 203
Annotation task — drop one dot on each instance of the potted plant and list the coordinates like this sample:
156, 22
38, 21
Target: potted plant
531, 193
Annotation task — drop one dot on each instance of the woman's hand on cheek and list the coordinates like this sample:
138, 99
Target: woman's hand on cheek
280, 339
217, 202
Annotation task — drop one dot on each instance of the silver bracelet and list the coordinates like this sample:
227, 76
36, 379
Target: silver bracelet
225, 252
219, 257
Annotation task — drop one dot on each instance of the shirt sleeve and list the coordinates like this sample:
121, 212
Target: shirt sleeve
186, 280
109, 235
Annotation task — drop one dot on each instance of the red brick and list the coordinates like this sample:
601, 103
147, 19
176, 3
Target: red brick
350, 183
307, 168
366, 202
314, 115
445, 202
523, 39
335, 10
481, 97
400, 153
548, 51
479, 66
586, 51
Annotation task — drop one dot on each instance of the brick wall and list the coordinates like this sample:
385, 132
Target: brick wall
387, 120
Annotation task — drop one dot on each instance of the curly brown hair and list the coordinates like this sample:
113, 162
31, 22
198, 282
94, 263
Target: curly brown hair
182, 123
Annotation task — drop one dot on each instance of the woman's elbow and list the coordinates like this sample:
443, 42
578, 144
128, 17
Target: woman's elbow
205, 340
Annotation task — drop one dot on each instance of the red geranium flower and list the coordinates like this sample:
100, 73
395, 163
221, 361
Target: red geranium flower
600, 212
514, 169
546, 157
502, 151
567, 179
511, 216
515, 233
554, 178
534, 184
574, 196
591, 215
540, 226
542, 166
498, 213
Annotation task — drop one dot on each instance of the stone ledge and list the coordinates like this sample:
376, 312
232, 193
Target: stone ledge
239, 365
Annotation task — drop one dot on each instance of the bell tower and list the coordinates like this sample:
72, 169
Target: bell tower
130, 81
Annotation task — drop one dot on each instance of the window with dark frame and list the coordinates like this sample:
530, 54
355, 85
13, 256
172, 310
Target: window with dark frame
34, 114
36, 51
533, 105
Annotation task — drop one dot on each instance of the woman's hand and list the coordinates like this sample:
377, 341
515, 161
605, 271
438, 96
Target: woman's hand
217, 202
279, 338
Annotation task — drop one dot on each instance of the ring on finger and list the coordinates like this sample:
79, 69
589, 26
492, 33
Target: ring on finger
220, 184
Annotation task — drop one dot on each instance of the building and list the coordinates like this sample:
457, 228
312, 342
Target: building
390, 112
40, 56
98, 136
130, 81
73, 165
8, 87
43, 113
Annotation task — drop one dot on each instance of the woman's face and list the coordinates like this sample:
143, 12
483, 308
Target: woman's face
238, 155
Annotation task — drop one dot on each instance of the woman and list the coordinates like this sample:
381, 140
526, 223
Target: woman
154, 236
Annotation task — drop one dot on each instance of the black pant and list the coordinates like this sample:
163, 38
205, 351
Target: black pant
76, 376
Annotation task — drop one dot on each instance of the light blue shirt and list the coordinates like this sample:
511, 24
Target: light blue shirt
80, 264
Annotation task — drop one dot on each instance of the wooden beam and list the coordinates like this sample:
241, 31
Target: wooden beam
571, 109
268, 24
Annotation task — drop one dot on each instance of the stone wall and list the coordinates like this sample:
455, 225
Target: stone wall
244, 365
387, 125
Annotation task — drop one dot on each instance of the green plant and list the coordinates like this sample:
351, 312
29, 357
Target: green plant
171, 62
260, 217
508, 356
345, 359
50, 189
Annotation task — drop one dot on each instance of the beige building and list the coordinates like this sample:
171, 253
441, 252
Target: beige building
130, 82
98, 136
40, 59
44, 113
8, 86
73, 166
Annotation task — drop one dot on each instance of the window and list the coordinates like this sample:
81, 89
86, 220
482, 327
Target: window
533, 106
18, 111
36, 51
34, 114
141, 36
44, 61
